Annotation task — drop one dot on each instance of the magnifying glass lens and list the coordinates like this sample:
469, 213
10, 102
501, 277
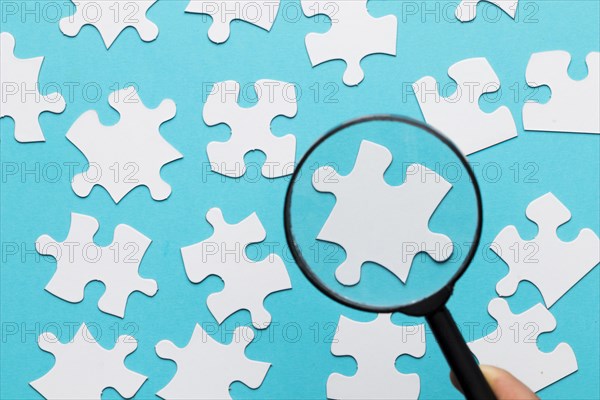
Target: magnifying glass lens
383, 213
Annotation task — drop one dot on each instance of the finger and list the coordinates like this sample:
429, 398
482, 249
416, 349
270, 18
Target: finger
503, 384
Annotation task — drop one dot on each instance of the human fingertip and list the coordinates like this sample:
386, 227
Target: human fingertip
505, 386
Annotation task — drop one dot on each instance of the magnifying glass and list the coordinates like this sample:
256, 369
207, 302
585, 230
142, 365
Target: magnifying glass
383, 214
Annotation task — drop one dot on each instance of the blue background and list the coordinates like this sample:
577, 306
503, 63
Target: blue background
181, 64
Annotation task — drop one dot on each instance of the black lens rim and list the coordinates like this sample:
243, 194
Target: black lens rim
423, 306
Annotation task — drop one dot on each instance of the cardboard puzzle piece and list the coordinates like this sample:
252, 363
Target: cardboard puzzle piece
385, 216
573, 105
513, 346
21, 99
111, 18
459, 116
354, 34
128, 154
261, 13
251, 128
83, 368
375, 346
206, 368
80, 261
247, 283
552, 265
467, 9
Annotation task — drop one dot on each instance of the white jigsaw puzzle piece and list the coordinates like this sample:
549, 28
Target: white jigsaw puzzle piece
573, 105
513, 346
80, 261
375, 346
83, 368
110, 19
459, 116
385, 216
247, 283
261, 13
251, 128
128, 154
206, 368
552, 265
354, 34
21, 99
467, 9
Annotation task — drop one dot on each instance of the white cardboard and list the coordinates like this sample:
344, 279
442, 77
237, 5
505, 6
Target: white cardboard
206, 368
354, 34
467, 9
80, 261
573, 105
111, 18
247, 283
251, 127
375, 346
459, 116
19, 78
128, 154
384, 218
83, 368
261, 13
513, 346
552, 265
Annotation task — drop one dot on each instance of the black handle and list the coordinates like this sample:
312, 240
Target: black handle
459, 357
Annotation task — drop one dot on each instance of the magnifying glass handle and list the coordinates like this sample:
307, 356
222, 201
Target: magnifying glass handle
459, 357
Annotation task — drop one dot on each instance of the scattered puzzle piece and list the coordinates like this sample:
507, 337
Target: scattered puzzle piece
83, 368
80, 261
459, 116
21, 99
128, 154
206, 368
354, 34
513, 346
251, 128
385, 216
573, 105
261, 13
546, 261
247, 283
375, 346
111, 18
467, 9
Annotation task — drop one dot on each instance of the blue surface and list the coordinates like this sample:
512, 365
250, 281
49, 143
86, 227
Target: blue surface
181, 64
